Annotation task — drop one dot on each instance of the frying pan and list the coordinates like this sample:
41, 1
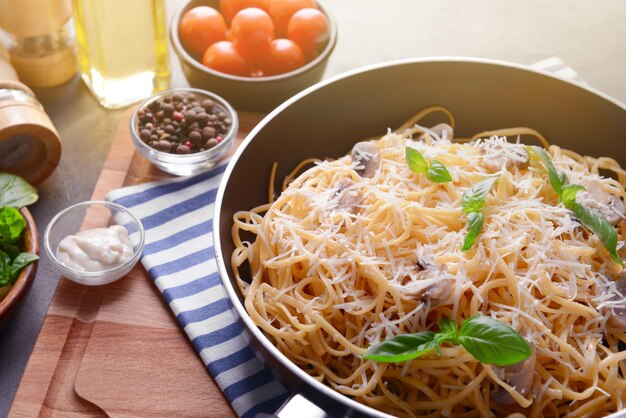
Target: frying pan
326, 119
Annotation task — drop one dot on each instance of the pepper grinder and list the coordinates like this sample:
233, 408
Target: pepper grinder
29, 143
40, 40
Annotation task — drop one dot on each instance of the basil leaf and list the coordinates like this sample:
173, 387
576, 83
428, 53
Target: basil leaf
16, 192
448, 331
563, 179
5, 269
474, 198
568, 194
557, 179
448, 326
21, 261
600, 226
591, 219
12, 224
437, 172
475, 221
11, 250
402, 347
415, 160
493, 342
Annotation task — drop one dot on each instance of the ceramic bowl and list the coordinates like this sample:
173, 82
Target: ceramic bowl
260, 94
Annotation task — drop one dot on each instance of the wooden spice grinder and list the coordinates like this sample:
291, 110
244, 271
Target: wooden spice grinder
40, 40
29, 143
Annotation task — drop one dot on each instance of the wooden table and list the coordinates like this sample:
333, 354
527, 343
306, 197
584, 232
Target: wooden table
589, 36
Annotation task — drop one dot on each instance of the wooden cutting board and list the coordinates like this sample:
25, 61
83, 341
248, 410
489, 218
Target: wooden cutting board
117, 350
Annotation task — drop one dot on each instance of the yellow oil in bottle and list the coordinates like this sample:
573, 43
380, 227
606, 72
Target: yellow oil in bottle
122, 49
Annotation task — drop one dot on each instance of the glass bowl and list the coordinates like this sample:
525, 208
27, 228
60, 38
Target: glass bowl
186, 164
67, 222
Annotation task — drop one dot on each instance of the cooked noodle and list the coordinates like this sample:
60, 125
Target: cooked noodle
327, 281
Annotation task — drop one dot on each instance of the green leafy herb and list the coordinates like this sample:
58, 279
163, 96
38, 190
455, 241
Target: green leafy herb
402, 347
435, 171
472, 203
558, 180
10, 270
447, 326
12, 224
487, 339
21, 261
600, 226
15, 191
474, 198
438, 173
448, 331
475, 221
5, 269
415, 160
568, 194
492, 342
589, 218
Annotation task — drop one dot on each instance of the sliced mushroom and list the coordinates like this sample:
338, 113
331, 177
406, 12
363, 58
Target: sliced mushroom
442, 130
519, 376
498, 154
610, 206
440, 288
617, 314
421, 264
367, 157
349, 197
437, 292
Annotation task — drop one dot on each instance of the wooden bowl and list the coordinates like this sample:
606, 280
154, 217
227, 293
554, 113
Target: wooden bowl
260, 94
10, 304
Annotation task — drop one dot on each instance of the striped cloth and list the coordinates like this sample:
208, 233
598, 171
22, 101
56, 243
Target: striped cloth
178, 255
177, 216
556, 66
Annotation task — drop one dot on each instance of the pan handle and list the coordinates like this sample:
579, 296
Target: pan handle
298, 406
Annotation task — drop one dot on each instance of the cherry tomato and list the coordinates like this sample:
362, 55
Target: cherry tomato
200, 27
309, 29
284, 55
282, 10
222, 56
230, 8
252, 30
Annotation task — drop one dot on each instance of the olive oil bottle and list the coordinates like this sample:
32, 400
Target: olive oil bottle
122, 49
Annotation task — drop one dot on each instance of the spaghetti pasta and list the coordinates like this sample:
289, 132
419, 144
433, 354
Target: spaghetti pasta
340, 262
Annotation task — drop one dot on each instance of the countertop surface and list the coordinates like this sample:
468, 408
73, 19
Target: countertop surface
588, 36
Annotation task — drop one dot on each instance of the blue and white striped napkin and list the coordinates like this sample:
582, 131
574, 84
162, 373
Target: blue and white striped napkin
179, 257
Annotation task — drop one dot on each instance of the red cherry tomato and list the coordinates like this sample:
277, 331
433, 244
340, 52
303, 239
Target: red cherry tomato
284, 55
222, 56
282, 10
309, 29
230, 8
252, 31
200, 27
